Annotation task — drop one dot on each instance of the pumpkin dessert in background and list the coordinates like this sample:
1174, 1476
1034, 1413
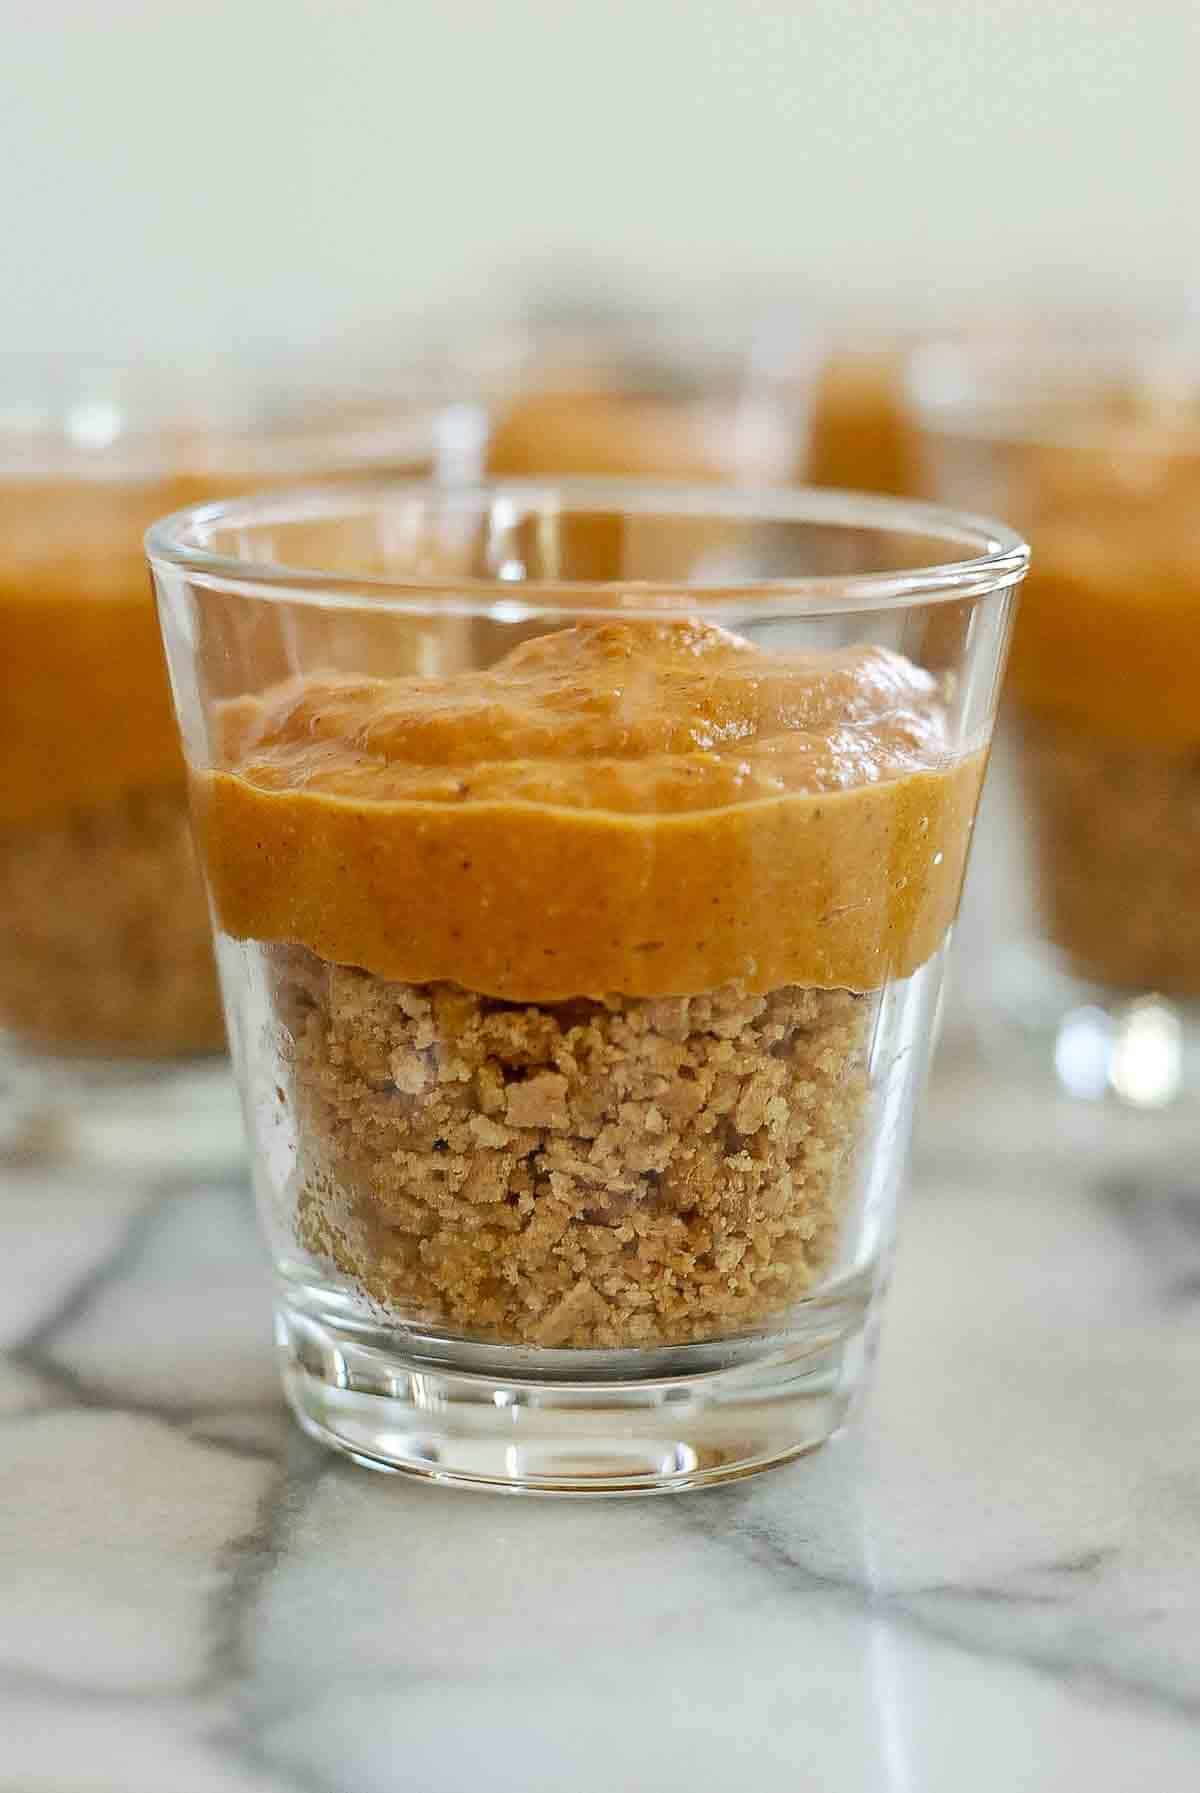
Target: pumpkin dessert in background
1091, 443
107, 983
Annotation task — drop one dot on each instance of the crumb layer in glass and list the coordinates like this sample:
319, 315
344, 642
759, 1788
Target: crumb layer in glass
1117, 829
105, 942
587, 1174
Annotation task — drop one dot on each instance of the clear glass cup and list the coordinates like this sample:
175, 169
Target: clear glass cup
610, 389
1092, 444
580, 966
107, 985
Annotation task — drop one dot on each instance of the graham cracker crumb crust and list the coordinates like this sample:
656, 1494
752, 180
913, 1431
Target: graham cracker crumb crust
625, 1172
1117, 828
104, 933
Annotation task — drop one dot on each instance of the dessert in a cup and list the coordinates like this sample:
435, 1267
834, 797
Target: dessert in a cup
1106, 671
579, 993
1100, 463
105, 946
104, 941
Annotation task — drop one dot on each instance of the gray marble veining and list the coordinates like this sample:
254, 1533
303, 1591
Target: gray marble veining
992, 1583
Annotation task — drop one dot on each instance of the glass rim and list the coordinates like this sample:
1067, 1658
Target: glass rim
91, 419
990, 555
1033, 390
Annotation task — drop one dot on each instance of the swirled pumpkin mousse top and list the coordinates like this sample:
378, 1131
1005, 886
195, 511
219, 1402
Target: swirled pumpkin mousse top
619, 807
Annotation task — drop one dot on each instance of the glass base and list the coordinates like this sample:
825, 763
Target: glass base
1139, 1051
559, 1422
157, 1117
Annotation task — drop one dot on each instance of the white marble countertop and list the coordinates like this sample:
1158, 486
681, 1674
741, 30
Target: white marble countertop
992, 1584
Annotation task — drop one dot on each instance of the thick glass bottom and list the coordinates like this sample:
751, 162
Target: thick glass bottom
570, 1422
155, 1117
1139, 1050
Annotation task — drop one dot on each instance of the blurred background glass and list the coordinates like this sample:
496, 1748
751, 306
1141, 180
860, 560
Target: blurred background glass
1090, 440
106, 970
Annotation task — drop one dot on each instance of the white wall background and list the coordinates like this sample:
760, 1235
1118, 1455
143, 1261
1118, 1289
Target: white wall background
201, 172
